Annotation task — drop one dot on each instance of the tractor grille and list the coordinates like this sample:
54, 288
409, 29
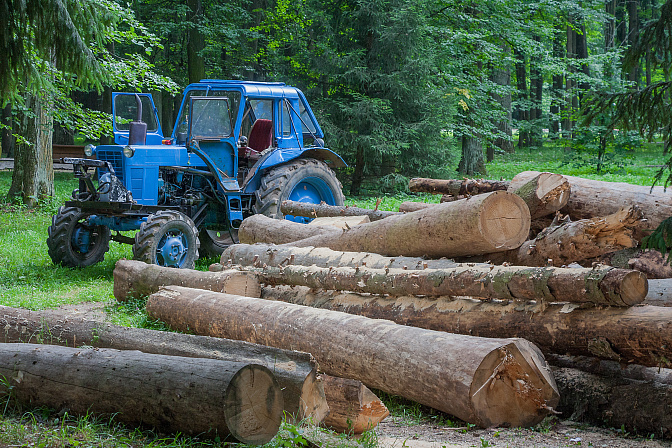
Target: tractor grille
116, 158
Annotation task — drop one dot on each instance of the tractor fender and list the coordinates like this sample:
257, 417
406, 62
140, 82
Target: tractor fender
280, 156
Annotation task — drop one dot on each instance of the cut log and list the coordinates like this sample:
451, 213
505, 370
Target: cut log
544, 194
639, 335
271, 255
567, 242
600, 286
340, 222
486, 223
660, 292
488, 382
612, 369
194, 396
652, 263
410, 206
323, 210
136, 279
594, 198
353, 408
296, 372
455, 187
641, 407
451, 198
262, 229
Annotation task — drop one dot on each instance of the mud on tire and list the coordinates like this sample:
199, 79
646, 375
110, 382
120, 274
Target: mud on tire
68, 227
168, 238
306, 180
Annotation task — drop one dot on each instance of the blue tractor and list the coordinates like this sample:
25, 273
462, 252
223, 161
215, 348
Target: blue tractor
237, 148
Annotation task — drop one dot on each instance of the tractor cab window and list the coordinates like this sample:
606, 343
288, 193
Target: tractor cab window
233, 97
126, 110
257, 126
210, 118
306, 119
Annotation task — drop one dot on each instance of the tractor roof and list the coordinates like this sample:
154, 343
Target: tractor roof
250, 88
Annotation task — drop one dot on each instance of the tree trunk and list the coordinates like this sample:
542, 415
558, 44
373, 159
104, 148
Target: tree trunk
570, 85
633, 37
323, 210
594, 198
615, 402
7, 137
556, 93
637, 335
188, 395
544, 194
456, 187
501, 75
353, 408
136, 279
485, 223
523, 105
262, 229
296, 372
33, 176
488, 382
599, 286
472, 161
196, 42
568, 242
358, 173
270, 255
536, 93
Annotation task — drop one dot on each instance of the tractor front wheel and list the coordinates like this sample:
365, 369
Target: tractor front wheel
168, 238
72, 242
302, 180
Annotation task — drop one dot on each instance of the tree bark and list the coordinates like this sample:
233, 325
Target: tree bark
270, 255
262, 229
136, 279
33, 176
594, 198
633, 37
599, 286
568, 242
660, 292
523, 97
472, 161
488, 382
485, 223
637, 335
7, 137
637, 406
455, 187
296, 372
652, 263
501, 75
323, 210
188, 395
411, 206
196, 42
353, 408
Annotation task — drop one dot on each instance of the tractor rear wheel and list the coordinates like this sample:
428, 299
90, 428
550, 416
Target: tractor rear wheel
302, 180
72, 242
214, 242
168, 238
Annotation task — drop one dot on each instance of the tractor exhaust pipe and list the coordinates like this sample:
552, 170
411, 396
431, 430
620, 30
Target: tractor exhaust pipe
137, 132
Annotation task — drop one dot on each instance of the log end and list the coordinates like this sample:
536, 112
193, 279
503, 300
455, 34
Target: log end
513, 387
505, 220
253, 405
634, 288
314, 404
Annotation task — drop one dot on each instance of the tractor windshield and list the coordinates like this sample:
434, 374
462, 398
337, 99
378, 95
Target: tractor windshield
210, 118
182, 122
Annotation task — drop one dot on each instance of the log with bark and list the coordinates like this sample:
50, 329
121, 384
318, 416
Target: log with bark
565, 242
660, 292
451, 198
602, 285
194, 396
262, 229
637, 406
296, 372
488, 382
411, 206
594, 198
652, 263
455, 187
353, 408
544, 194
340, 222
486, 223
271, 255
639, 335
309, 210
136, 279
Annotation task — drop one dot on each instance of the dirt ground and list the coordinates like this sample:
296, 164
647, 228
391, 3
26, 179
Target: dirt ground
396, 432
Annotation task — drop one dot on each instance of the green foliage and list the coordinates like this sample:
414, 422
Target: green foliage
602, 149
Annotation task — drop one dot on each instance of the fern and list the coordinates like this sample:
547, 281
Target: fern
660, 239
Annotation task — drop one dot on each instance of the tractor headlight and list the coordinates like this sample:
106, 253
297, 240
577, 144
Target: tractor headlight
129, 151
89, 150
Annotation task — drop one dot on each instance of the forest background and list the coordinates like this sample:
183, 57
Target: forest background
402, 88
